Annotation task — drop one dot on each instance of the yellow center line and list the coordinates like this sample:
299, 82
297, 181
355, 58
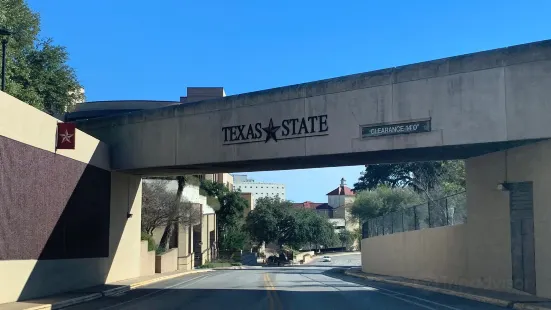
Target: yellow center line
275, 295
267, 285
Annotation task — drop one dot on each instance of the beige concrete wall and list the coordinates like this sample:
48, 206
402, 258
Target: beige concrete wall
205, 239
185, 248
147, 260
488, 222
167, 262
126, 198
488, 205
477, 253
34, 278
437, 254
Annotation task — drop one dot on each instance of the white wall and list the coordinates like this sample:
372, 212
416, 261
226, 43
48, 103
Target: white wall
190, 193
261, 189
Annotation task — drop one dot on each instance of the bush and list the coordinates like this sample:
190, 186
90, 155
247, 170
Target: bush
151, 246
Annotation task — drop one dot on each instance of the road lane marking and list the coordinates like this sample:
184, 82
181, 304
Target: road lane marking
274, 295
156, 292
393, 294
270, 298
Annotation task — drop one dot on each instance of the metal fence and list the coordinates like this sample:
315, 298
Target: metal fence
450, 210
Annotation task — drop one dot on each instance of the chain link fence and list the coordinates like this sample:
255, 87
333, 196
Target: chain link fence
447, 211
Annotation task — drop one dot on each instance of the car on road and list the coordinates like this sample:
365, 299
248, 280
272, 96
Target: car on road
326, 258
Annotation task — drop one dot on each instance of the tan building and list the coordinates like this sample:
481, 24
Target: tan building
337, 207
251, 200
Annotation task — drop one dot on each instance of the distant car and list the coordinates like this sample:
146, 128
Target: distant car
326, 259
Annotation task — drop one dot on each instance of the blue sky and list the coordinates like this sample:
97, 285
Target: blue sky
138, 50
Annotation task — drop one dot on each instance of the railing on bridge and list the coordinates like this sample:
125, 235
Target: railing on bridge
446, 211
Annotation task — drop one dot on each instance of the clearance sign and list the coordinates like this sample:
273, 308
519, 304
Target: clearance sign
395, 128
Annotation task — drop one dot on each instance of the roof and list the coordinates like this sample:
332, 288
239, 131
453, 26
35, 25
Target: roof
324, 206
307, 205
313, 205
341, 190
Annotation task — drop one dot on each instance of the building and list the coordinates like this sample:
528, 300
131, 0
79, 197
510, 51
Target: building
95, 109
258, 189
251, 201
195, 244
337, 207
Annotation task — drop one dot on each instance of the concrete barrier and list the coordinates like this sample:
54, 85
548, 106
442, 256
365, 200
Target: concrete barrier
147, 260
167, 261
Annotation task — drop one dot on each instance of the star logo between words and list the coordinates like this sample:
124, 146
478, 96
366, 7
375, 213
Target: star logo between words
271, 131
66, 137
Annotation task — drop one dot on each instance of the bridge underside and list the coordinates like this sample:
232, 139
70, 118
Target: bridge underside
350, 159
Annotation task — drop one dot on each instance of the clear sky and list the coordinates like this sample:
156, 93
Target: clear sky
141, 50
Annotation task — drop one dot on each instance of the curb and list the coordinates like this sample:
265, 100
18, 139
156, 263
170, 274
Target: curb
111, 292
68, 302
483, 299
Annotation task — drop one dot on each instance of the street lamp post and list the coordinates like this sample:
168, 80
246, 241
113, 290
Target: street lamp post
4, 35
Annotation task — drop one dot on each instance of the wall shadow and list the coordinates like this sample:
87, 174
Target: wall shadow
57, 211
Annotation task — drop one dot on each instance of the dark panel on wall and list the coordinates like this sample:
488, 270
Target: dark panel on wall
51, 206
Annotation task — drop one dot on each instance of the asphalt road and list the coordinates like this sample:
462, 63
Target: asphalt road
302, 287
338, 260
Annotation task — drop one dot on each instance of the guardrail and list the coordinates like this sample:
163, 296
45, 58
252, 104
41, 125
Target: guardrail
446, 211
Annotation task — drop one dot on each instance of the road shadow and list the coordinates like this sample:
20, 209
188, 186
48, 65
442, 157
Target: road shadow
303, 294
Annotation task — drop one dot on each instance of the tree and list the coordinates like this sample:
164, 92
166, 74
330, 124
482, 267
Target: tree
235, 239
346, 238
382, 200
427, 178
229, 213
156, 201
275, 220
36, 71
178, 211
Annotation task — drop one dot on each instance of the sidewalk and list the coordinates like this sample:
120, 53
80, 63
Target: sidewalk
95, 292
503, 299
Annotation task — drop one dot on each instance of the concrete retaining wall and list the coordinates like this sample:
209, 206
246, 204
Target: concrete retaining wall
477, 253
36, 263
437, 254
167, 262
147, 260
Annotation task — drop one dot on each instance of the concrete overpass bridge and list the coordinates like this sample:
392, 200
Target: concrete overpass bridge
455, 107
491, 108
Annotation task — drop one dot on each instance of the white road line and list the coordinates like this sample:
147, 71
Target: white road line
394, 294
418, 298
156, 292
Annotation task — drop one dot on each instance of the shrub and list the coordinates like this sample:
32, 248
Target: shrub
151, 246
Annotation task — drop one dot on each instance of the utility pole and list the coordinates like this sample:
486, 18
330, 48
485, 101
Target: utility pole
4, 34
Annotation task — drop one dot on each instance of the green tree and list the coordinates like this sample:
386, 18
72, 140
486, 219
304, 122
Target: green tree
433, 179
382, 200
346, 238
229, 212
275, 220
235, 239
36, 71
